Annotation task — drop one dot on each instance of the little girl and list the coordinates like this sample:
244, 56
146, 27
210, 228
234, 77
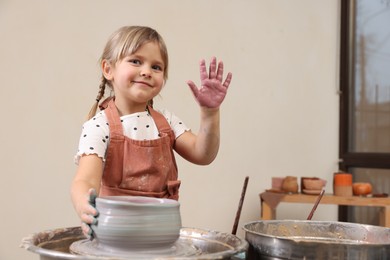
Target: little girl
127, 147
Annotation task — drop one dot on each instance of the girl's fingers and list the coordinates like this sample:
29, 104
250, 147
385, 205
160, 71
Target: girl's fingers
227, 80
193, 88
203, 70
220, 71
213, 65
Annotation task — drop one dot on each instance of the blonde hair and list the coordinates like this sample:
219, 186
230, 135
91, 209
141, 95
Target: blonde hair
123, 42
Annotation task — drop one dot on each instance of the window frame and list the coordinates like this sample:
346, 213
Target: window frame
348, 159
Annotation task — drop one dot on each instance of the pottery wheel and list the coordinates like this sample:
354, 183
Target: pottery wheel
182, 247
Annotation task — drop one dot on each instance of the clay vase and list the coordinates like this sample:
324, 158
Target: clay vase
130, 222
342, 184
290, 184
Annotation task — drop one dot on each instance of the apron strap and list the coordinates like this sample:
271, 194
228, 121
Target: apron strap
161, 123
113, 118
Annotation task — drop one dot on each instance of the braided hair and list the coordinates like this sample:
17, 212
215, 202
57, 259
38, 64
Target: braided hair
100, 95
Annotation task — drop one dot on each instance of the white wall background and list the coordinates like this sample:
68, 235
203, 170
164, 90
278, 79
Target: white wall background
280, 116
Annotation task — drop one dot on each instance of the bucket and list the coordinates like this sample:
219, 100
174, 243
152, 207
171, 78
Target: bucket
296, 239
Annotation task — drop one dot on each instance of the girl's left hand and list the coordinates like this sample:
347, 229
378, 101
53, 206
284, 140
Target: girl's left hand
212, 91
89, 214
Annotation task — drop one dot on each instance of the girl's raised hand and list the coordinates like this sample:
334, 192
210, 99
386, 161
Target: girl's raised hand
212, 91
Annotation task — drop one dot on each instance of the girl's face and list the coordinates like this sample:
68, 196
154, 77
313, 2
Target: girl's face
137, 78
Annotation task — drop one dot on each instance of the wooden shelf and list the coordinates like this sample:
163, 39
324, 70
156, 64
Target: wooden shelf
268, 211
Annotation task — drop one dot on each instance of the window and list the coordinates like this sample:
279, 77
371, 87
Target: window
365, 99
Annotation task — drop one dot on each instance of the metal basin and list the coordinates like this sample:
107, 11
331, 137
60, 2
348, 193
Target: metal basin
54, 245
294, 239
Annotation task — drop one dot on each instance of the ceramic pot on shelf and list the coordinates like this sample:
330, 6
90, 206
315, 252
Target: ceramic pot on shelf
290, 184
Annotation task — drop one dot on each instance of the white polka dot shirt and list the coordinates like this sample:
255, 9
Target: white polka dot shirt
95, 134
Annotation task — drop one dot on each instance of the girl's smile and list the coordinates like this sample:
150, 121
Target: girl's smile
143, 83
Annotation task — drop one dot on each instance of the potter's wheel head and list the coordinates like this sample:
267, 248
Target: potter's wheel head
57, 244
181, 248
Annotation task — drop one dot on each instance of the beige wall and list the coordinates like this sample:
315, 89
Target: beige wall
280, 117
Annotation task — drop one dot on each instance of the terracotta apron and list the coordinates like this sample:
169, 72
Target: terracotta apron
139, 167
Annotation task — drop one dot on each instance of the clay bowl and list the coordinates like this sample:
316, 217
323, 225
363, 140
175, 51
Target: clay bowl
361, 188
313, 183
130, 222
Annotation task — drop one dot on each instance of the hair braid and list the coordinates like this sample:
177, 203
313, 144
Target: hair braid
100, 95
150, 103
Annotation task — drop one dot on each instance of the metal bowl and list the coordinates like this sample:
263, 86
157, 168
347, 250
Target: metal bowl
294, 239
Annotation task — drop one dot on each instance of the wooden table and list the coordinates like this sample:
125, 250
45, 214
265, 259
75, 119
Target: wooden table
268, 210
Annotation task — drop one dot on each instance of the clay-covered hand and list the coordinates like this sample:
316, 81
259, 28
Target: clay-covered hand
212, 91
89, 214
